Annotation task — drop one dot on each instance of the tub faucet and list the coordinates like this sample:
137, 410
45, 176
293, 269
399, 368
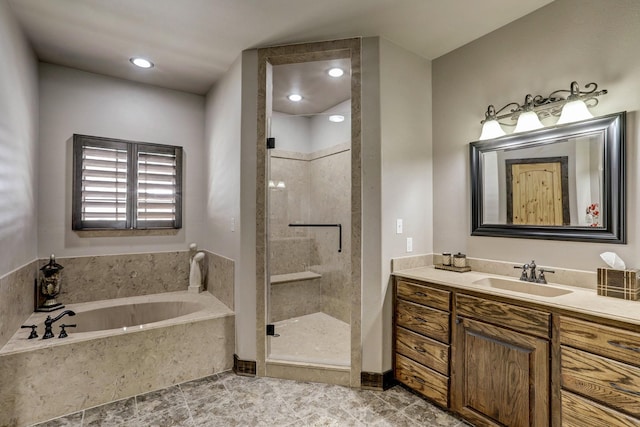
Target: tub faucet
48, 332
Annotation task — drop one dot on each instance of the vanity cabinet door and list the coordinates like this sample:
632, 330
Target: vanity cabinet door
600, 373
500, 377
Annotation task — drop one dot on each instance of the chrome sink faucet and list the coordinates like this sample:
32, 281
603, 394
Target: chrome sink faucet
533, 275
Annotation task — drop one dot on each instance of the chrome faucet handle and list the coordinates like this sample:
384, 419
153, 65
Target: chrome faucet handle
524, 268
542, 279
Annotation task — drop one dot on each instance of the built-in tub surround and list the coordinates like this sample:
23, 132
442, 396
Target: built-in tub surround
105, 277
16, 299
44, 379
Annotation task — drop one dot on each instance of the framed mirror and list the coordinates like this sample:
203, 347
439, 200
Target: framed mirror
565, 182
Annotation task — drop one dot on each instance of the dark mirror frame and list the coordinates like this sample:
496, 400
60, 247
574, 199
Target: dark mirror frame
614, 194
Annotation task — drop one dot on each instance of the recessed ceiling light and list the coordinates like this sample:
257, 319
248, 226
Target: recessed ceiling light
336, 72
336, 118
295, 97
141, 62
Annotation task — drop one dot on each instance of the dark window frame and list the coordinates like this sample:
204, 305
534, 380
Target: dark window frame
132, 148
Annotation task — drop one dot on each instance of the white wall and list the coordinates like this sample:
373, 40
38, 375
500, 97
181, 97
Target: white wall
222, 154
73, 101
397, 174
245, 286
18, 143
292, 133
582, 40
324, 133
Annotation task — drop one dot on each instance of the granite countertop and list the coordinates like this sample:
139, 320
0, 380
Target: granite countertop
581, 300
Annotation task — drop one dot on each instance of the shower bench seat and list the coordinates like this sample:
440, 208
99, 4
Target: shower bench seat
294, 277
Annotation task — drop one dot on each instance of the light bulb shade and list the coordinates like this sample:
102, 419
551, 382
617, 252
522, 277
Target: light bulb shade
491, 129
574, 111
528, 121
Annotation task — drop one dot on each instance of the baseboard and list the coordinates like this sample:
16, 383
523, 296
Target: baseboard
376, 381
244, 367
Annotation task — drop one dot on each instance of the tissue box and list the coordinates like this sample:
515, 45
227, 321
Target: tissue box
618, 283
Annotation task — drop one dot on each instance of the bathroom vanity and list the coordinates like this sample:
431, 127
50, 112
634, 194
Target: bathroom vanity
500, 352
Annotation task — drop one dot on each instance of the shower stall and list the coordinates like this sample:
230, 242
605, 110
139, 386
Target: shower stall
309, 292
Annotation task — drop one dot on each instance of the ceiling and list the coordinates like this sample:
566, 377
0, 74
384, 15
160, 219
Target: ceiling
193, 42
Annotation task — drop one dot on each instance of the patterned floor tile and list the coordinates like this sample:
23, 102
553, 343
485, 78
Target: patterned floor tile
229, 400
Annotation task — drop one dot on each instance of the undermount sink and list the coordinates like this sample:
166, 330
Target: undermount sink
522, 287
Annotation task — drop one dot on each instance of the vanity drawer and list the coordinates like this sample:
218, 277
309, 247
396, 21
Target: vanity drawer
423, 380
614, 383
527, 320
580, 412
423, 320
615, 343
424, 295
425, 351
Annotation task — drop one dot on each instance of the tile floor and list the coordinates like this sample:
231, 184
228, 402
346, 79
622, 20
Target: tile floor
230, 400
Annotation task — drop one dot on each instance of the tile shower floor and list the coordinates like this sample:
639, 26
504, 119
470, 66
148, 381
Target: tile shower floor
314, 338
230, 400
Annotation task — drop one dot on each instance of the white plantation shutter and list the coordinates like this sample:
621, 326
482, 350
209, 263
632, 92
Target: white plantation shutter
104, 184
156, 188
122, 184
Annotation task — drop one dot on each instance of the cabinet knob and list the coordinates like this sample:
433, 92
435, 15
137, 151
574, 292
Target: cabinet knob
458, 320
420, 294
420, 319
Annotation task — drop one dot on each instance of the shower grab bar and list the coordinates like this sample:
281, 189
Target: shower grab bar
324, 225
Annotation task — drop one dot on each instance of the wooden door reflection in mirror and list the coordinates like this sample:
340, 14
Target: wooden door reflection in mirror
537, 191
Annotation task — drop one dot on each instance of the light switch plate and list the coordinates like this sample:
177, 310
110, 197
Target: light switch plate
399, 226
409, 244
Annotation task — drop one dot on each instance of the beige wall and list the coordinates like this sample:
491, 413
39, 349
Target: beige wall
18, 142
73, 101
582, 40
397, 169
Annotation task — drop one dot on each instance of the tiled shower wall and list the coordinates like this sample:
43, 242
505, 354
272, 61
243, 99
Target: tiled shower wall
16, 299
317, 190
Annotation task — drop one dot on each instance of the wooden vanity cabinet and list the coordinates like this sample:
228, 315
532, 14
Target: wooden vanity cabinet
501, 362
422, 339
600, 374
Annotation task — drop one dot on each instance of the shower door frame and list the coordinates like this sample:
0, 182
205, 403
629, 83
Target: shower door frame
299, 53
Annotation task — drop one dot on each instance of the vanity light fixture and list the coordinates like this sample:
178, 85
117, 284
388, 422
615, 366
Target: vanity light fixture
336, 72
574, 107
294, 97
336, 118
491, 128
141, 62
528, 119
281, 184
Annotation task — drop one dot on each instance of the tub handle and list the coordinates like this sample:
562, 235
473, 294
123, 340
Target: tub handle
34, 333
63, 333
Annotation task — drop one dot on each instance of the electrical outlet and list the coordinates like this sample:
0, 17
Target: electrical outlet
409, 244
399, 226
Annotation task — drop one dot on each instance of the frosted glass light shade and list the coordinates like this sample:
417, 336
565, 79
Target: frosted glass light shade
528, 121
491, 129
574, 111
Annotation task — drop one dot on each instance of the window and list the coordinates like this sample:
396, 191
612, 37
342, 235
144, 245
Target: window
121, 184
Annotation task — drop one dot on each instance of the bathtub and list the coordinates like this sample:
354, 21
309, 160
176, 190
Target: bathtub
120, 348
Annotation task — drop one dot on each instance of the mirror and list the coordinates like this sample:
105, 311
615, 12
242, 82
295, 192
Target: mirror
559, 183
